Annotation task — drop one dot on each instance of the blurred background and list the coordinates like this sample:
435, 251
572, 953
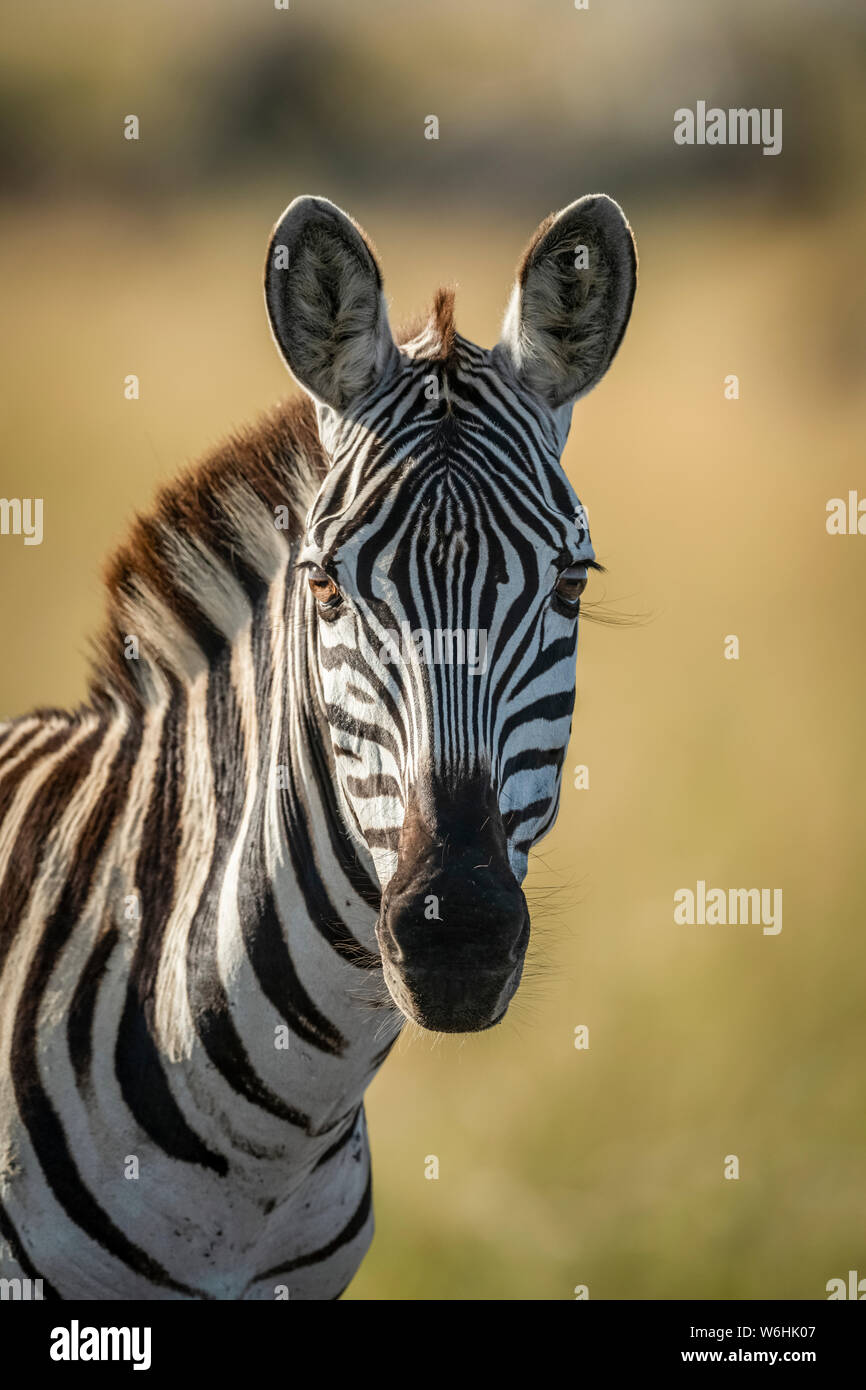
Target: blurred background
558, 1167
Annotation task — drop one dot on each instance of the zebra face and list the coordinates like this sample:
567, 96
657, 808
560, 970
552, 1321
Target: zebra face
439, 580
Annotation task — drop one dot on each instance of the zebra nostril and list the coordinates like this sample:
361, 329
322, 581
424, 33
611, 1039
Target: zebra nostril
520, 945
387, 935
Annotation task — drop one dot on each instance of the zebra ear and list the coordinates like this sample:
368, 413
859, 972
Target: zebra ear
323, 290
571, 300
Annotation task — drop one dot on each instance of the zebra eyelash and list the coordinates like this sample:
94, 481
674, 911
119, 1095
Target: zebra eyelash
568, 607
583, 564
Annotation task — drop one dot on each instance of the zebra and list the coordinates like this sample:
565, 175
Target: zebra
268, 839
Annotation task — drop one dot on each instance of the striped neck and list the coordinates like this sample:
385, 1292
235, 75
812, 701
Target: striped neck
257, 949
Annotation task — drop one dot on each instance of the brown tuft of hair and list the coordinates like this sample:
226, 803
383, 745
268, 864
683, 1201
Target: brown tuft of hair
436, 335
442, 317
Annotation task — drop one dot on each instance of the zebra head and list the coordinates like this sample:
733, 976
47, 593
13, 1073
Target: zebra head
439, 579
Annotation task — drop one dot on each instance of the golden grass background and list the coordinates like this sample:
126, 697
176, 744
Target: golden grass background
557, 1167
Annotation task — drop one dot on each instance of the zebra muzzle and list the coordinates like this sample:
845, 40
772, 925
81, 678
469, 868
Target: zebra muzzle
454, 925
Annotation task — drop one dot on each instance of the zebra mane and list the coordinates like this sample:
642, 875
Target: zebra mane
184, 581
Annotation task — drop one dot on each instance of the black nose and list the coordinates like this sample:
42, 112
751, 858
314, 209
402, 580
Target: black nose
454, 924
464, 917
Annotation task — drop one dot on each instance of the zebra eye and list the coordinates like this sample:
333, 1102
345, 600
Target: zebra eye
570, 584
323, 589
